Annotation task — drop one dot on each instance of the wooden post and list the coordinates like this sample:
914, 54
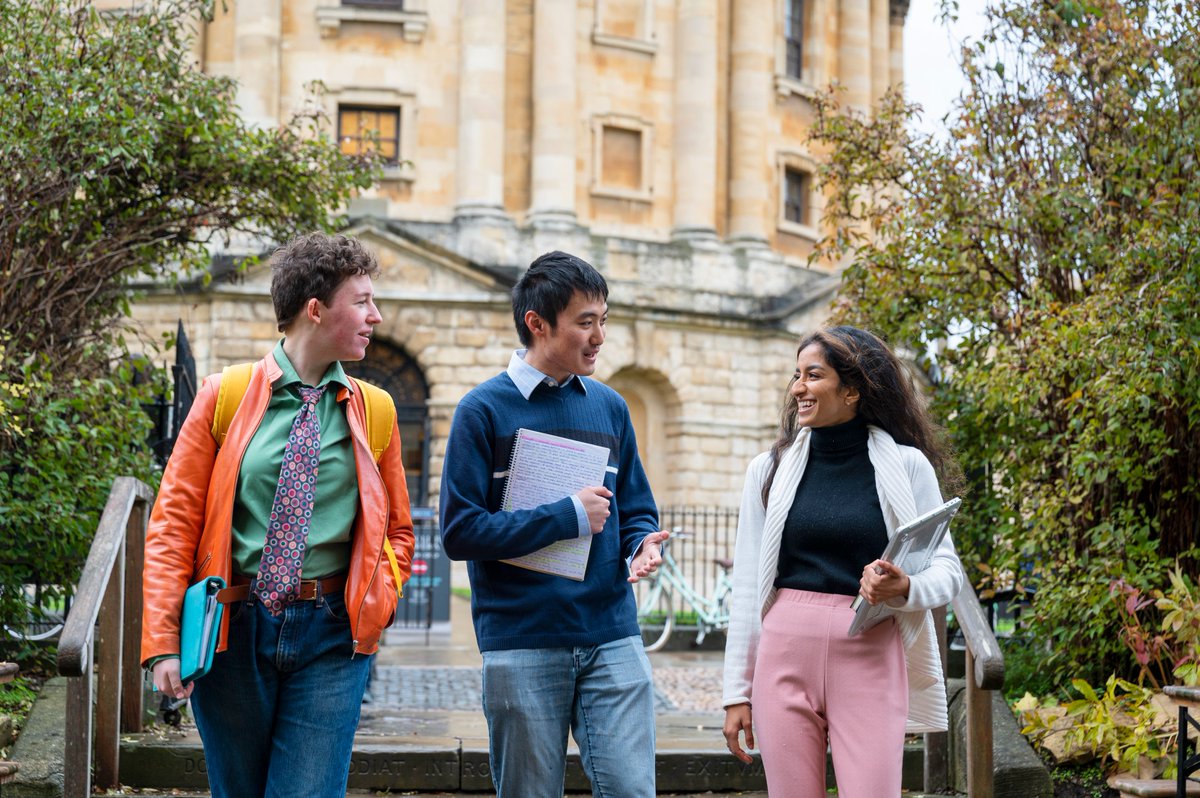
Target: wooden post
937, 743
979, 734
108, 677
77, 758
131, 659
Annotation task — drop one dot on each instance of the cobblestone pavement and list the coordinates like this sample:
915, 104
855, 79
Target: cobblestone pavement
687, 688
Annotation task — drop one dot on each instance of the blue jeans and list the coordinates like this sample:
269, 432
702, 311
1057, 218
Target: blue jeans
278, 710
604, 694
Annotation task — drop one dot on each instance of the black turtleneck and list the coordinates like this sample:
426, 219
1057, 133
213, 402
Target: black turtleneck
835, 526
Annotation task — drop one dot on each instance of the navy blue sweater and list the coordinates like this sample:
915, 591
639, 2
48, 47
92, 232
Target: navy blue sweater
515, 607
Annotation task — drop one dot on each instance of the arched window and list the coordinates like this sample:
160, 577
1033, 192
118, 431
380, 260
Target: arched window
391, 368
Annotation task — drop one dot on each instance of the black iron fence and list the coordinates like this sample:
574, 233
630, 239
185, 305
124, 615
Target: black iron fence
707, 535
167, 414
701, 535
427, 594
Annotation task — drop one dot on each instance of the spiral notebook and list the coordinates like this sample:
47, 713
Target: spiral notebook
543, 469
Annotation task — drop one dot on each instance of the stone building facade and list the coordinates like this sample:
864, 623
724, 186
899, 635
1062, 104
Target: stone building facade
664, 141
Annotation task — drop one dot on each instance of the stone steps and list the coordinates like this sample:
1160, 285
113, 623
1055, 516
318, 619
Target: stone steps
449, 764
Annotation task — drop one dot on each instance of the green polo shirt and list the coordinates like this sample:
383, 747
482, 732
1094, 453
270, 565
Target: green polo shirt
328, 549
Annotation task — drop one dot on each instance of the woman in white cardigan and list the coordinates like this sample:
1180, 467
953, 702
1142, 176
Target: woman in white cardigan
854, 461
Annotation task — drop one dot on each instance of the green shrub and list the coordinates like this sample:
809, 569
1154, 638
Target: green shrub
1042, 259
61, 445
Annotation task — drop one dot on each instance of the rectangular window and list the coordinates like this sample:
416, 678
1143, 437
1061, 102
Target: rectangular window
794, 34
796, 193
364, 130
621, 158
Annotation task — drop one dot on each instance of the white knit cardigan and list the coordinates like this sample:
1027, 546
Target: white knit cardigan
907, 487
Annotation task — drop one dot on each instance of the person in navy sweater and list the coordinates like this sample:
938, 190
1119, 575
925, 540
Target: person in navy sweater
558, 654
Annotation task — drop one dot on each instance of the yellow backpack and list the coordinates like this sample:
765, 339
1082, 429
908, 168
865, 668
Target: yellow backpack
380, 414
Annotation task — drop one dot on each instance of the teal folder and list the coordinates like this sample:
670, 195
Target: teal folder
199, 627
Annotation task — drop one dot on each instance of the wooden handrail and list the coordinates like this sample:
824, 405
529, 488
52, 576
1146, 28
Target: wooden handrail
984, 674
110, 594
981, 642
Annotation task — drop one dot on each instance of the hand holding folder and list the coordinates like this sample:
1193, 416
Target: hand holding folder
199, 628
912, 549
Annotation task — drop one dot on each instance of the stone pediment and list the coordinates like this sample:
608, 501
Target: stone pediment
415, 267
411, 268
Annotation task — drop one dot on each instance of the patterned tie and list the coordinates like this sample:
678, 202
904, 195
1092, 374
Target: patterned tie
278, 581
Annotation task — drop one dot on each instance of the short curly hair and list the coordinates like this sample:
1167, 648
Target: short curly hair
313, 266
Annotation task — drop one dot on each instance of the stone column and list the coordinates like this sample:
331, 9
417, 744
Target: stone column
815, 31
554, 114
480, 166
695, 121
256, 47
854, 53
750, 93
881, 61
898, 11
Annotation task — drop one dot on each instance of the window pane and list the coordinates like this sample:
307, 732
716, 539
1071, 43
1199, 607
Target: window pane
387, 125
364, 130
348, 126
794, 35
796, 196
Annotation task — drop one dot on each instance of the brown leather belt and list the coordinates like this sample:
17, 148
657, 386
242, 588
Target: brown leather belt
309, 588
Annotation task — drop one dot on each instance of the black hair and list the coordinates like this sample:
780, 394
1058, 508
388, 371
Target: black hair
548, 285
887, 398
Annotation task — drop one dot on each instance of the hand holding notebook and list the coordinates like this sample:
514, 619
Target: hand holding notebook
545, 468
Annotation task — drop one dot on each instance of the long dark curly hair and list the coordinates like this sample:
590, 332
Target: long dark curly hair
887, 399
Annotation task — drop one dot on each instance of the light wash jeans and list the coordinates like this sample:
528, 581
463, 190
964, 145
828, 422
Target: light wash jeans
603, 694
278, 710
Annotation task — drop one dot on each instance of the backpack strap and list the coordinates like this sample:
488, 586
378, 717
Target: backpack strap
234, 381
380, 415
380, 410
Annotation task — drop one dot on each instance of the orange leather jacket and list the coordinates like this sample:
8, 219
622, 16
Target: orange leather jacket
189, 536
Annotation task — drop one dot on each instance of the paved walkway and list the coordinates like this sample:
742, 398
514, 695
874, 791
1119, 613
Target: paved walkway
426, 689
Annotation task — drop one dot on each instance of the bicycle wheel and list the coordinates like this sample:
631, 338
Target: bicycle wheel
656, 616
35, 624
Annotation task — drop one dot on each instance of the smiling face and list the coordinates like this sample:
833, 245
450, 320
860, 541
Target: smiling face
572, 344
821, 398
348, 319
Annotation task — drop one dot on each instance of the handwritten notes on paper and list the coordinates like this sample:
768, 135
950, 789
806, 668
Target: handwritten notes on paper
545, 468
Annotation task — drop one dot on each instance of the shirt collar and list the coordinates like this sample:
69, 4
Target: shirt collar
527, 378
334, 373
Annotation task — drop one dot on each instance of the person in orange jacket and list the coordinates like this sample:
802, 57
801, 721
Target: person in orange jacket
293, 512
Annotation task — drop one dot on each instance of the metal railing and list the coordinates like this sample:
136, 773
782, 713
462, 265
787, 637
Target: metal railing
103, 633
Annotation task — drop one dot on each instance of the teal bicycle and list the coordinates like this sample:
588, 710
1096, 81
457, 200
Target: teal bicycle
657, 613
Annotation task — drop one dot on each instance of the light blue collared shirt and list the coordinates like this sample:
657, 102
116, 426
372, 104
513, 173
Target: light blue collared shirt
527, 378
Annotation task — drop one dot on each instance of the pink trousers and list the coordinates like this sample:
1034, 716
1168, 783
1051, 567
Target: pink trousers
814, 686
